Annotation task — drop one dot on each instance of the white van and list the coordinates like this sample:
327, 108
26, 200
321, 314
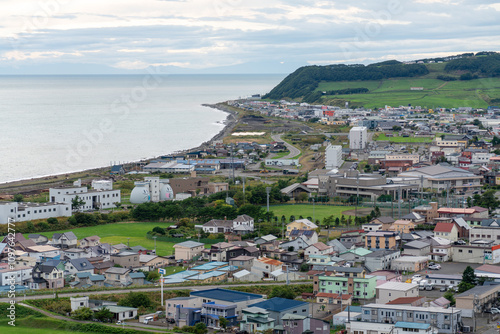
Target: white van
148, 319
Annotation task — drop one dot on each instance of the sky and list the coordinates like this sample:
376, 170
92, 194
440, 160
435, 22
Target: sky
236, 36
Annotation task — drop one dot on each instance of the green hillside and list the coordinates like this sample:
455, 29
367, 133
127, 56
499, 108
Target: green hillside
466, 80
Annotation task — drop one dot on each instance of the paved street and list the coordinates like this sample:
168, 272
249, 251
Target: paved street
293, 150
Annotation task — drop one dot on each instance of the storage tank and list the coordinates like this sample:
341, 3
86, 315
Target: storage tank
140, 194
166, 191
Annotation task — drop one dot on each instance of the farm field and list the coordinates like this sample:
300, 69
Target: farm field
437, 93
120, 232
306, 210
398, 139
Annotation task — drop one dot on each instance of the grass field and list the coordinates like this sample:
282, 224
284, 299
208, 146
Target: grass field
306, 210
437, 93
119, 233
399, 139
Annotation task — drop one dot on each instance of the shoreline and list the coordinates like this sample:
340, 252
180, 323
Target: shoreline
42, 182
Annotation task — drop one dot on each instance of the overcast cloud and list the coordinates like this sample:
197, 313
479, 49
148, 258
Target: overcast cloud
263, 34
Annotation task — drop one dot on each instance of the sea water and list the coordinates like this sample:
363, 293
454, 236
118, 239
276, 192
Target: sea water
58, 124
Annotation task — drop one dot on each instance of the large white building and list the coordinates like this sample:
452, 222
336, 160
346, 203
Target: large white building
358, 137
333, 156
21, 212
94, 199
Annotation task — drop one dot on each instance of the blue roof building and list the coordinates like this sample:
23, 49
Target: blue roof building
227, 297
278, 307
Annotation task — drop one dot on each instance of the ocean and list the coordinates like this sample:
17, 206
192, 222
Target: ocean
59, 124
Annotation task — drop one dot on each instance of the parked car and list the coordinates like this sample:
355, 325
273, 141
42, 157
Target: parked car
416, 276
460, 242
443, 289
495, 310
435, 267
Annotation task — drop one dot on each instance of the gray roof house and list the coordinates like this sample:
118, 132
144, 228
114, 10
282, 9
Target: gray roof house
75, 266
64, 240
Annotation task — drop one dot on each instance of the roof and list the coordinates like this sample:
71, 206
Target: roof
92, 238
226, 295
444, 227
95, 278
414, 325
255, 310
458, 211
242, 258
358, 251
115, 308
306, 222
404, 300
489, 268
478, 290
444, 276
416, 244
321, 246
397, 286
69, 235
268, 237
272, 262
278, 304
385, 220
117, 270
189, 244
293, 187
139, 274
81, 264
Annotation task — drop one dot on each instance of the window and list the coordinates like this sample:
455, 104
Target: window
470, 251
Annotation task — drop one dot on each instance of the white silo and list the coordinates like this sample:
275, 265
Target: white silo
166, 191
140, 194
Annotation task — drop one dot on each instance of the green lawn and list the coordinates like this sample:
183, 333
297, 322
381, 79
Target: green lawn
398, 139
120, 232
21, 330
306, 210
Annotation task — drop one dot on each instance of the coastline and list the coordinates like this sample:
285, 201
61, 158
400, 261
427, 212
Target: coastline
42, 182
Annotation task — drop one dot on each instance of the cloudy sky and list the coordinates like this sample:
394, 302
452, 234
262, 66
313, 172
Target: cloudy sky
256, 36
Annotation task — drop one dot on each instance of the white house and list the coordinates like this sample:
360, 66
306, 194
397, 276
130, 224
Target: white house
318, 248
20, 275
390, 291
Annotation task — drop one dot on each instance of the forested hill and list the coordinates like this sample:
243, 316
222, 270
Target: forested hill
303, 83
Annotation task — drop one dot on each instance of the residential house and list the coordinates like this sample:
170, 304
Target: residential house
47, 276
120, 313
152, 262
264, 239
389, 291
242, 224
188, 250
412, 217
279, 307
218, 251
429, 212
43, 252
225, 297
90, 241
74, 266
211, 313
102, 250
298, 324
75, 253
296, 244
265, 266
357, 237
309, 235
18, 275
116, 276
384, 220
333, 298
300, 224
64, 240
256, 319
447, 231
353, 281
39, 239
440, 253
86, 279
381, 259
355, 254
126, 259
484, 252
318, 248
242, 261
408, 301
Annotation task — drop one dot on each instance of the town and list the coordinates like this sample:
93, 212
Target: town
301, 219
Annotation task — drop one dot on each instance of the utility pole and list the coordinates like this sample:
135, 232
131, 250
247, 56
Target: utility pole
399, 203
314, 221
268, 191
448, 194
357, 196
421, 187
155, 242
162, 272
243, 190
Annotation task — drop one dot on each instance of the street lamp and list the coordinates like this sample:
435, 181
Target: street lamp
155, 242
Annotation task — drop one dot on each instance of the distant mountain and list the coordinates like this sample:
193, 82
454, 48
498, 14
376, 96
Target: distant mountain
96, 69
303, 83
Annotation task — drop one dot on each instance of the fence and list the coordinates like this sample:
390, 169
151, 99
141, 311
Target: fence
178, 240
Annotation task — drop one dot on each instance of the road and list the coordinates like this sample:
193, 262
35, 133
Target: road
20, 298
293, 150
137, 326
